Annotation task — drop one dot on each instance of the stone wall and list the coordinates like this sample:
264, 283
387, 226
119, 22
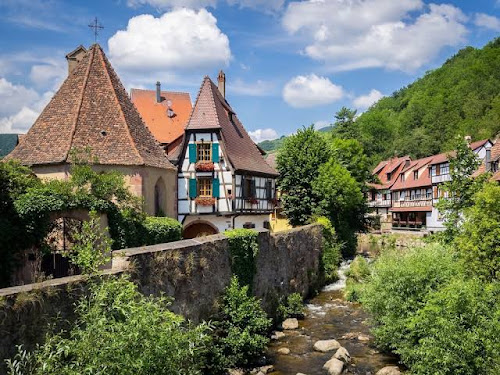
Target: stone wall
193, 272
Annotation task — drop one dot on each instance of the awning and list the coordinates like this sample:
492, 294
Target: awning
411, 209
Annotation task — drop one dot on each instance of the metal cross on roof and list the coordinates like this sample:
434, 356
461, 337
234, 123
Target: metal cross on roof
96, 26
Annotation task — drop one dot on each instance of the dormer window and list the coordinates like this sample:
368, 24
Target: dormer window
402, 177
389, 175
204, 151
415, 175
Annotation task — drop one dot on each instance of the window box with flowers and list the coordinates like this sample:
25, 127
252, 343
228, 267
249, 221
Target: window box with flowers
205, 201
273, 201
252, 200
204, 166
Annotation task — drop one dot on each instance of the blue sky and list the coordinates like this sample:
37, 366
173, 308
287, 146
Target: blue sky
288, 63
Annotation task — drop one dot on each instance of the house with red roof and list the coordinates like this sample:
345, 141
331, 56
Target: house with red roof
224, 181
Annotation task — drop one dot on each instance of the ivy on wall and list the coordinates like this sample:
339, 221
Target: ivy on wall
244, 248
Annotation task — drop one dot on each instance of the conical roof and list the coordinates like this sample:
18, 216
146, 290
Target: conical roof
212, 111
91, 109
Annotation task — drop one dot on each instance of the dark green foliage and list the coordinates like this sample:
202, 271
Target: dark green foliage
161, 230
357, 274
291, 307
341, 200
298, 163
244, 249
119, 331
275, 144
241, 330
350, 154
332, 250
478, 242
345, 127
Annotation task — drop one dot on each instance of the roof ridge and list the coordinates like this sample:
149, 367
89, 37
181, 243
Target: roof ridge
80, 102
196, 102
213, 98
122, 114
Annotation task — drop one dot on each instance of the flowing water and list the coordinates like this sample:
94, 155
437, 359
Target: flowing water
330, 316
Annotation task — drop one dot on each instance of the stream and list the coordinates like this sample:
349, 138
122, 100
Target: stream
330, 316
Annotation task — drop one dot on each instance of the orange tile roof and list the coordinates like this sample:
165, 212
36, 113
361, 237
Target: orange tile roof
91, 108
423, 179
495, 155
393, 166
165, 129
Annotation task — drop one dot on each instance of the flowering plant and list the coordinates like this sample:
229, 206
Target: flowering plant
252, 200
204, 166
273, 201
205, 201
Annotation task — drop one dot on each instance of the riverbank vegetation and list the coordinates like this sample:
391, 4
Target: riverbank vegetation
438, 306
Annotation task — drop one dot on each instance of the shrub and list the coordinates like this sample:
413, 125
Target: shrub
399, 287
161, 230
241, 329
119, 331
292, 307
358, 273
331, 256
244, 249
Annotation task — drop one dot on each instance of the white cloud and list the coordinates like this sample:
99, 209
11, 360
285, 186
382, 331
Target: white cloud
51, 73
264, 5
14, 97
257, 88
353, 34
310, 91
260, 135
487, 21
366, 101
182, 39
321, 124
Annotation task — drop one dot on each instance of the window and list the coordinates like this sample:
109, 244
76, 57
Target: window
204, 187
204, 151
415, 175
494, 166
445, 169
389, 175
249, 188
438, 170
402, 177
429, 193
269, 190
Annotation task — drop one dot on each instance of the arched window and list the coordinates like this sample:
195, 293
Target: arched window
160, 193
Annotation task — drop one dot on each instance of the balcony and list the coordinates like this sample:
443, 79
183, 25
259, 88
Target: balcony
413, 203
380, 203
441, 178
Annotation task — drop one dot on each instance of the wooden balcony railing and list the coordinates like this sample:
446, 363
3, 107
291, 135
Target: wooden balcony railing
380, 203
413, 203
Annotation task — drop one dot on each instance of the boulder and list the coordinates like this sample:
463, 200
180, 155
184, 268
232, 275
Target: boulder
290, 323
389, 370
326, 345
334, 366
267, 369
362, 337
284, 351
343, 355
236, 371
277, 335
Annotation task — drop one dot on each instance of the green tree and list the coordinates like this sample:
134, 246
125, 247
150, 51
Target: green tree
460, 189
345, 126
479, 240
298, 164
350, 154
342, 201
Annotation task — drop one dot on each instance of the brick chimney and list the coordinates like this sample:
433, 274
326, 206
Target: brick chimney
222, 83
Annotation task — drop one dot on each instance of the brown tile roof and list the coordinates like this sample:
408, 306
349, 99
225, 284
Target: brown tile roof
212, 111
394, 166
272, 159
165, 129
91, 109
477, 144
445, 156
495, 155
423, 179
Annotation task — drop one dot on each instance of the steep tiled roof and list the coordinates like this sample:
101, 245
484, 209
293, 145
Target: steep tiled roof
165, 129
445, 156
91, 109
393, 166
477, 144
423, 179
495, 155
212, 111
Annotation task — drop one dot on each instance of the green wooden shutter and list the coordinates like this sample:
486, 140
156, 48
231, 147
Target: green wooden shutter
192, 188
215, 188
192, 153
215, 152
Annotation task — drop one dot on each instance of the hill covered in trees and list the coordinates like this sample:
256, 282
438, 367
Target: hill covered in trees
462, 97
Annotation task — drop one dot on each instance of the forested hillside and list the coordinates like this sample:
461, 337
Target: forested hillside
462, 97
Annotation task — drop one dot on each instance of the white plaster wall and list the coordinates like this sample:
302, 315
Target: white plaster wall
224, 223
433, 222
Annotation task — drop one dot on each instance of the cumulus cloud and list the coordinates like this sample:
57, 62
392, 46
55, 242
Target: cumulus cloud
51, 73
264, 5
353, 34
487, 21
260, 135
183, 39
310, 91
257, 88
19, 106
366, 101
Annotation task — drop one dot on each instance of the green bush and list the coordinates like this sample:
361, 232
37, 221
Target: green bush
241, 330
331, 256
292, 307
357, 274
399, 287
161, 230
244, 248
119, 331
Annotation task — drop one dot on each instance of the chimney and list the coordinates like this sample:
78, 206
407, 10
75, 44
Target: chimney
158, 92
74, 57
468, 139
487, 160
222, 83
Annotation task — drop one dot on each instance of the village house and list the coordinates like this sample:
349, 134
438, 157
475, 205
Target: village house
223, 180
92, 109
